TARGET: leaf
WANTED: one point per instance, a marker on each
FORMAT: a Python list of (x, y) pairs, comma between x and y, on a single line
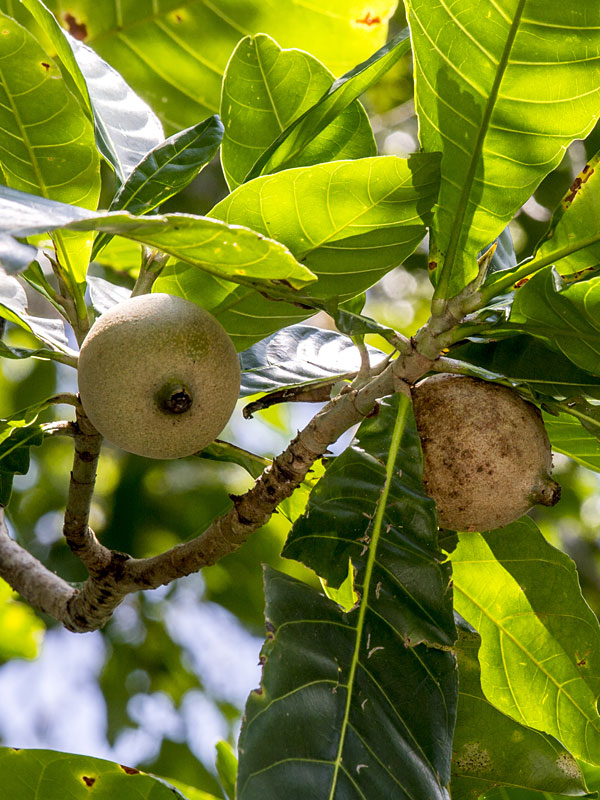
[(169, 167), (568, 436), (227, 767), (13, 307), (283, 84), (501, 91), (348, 698), (229, 251), (524, 359), (232, 454), (573, 240), (14, 457), (336, 718), (298, 354), (49, 775), (15, 256), (297, 136), (565, 316), (176, 56), (104, 294), (540, 646), (349, 222), (21, 631), (166, 170), (345, 596), (48, 142), (126, 127), (490, 749)]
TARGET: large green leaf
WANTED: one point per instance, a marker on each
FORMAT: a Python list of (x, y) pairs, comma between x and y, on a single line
[(540, 651), (174, 55), (524, 359), (564, 315), (345, 710), (49, 775), (229, 251), (501, 90), (282, 84), (293, 141), (46, 140), (357, 704), (491, 749), (350, 222)]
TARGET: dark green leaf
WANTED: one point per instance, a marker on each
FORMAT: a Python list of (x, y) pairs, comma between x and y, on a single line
[(283, 85), (345, 710), (569, 436), (491, 749), (496, 94), (14, 457), (355, 705), (523, 359), (297, 137), (565, 316), (296, 355), (540, 651)]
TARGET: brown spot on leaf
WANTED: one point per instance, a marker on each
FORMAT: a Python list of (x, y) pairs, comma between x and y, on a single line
[(520, 283), (45, 65), (88, 781), (129, 770), (432, 265), (77, 29), (368, 20)]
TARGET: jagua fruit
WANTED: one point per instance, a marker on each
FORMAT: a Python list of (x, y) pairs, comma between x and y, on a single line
[(158, 376), (487, 457)]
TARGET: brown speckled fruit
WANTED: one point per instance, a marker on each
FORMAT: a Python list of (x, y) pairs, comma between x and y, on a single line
[(486, 452), (158, 376)]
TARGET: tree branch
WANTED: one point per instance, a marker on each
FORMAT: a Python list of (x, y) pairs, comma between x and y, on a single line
[(113, 575)]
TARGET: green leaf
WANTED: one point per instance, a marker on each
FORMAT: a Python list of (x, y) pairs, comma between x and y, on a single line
[(297, 137), (21, 631), (48, 775), (218, 450), (491, 749), (540, 646), (350, 222), (227, 767), (175, 57), (165, 170), (568, 436), (48, 142), (13, 307), (282, 84), (501, 91), (227, 251), (573, 240), (169, 167), (523, 359), (126, 127), (565, 316), (14, 456), (343, 704), (345, 697), (298, 354)]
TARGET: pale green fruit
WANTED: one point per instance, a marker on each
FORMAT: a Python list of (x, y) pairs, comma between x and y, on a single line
[(487, 458), (158, 376)]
